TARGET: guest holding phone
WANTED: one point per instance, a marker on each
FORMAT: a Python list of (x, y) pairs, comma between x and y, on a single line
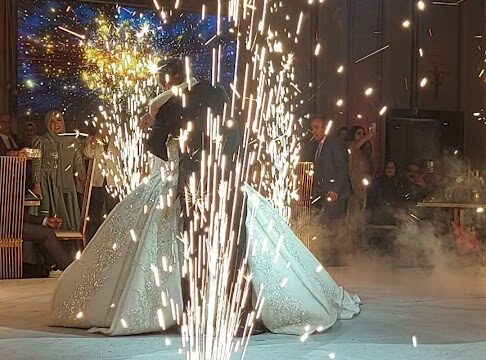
[(361, 171)]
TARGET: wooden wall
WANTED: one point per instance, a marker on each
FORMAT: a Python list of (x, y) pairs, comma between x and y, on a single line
[(449, 36)]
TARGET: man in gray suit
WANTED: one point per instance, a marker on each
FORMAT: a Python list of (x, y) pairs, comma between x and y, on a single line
[(331, 189), (332, 186)]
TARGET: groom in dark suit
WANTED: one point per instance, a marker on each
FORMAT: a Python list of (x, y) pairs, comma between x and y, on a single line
[(172, 117), (175, 116), (39, 237)]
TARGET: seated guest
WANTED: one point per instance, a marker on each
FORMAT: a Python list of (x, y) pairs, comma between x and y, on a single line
[(414, 186), (39, 236), (384, 197), (101, 148), (10, 143), (41, 248), (53, 174)]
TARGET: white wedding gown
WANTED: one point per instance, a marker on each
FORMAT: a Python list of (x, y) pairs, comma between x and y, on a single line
[(113, 288)]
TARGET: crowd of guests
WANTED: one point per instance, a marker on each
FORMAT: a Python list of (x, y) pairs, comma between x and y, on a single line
[(347, 190), (57, 178), (345, 176)]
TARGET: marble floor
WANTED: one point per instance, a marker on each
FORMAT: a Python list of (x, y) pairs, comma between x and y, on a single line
[(444, 311)]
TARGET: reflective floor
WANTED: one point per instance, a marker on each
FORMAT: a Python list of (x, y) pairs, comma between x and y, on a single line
[(407, 314)]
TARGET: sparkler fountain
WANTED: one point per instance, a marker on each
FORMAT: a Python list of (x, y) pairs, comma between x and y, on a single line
[(263, 93)]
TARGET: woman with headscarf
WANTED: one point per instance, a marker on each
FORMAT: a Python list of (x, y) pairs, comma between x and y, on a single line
[(53, 174), (30, 133), (361, 171)]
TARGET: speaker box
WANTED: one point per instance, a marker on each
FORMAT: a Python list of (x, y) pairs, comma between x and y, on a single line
[(422, 135)]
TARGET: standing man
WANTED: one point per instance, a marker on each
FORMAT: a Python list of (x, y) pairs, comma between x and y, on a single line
[(332, 186)]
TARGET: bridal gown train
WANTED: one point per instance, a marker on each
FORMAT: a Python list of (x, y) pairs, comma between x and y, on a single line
[(299, 295), (128, 280)]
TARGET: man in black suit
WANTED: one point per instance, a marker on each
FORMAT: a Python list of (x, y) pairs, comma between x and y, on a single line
[(332, 186), (10, 143)]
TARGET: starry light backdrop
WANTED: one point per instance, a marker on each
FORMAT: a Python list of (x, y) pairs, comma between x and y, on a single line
[(52, 68)]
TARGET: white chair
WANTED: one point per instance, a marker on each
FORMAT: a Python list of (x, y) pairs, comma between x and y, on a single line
[(80, 235), (12, 194)]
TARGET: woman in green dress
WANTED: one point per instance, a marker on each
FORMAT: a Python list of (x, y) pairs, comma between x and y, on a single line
[(53, 174)]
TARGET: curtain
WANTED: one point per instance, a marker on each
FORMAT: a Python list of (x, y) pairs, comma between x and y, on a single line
[(8, 60)]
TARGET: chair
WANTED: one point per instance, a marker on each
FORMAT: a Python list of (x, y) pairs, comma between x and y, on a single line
[(80, 235), (12, 192)]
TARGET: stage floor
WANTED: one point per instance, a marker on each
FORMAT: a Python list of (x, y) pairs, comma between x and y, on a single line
[(445, 311)]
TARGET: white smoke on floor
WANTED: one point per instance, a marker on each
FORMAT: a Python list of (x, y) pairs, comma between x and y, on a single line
[(415, 248)]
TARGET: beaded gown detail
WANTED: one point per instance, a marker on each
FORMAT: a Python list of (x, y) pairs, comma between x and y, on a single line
[(128, 279), (300, 295)]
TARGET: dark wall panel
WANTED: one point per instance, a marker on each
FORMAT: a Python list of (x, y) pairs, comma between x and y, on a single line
[(439, 31)]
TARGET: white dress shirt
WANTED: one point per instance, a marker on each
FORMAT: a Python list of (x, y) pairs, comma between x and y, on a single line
[(105, 163), (319, 148)]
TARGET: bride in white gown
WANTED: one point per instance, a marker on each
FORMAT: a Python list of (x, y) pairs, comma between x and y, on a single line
[(128, 279)]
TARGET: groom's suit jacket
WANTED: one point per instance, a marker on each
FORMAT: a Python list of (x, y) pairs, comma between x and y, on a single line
[(173, 116)]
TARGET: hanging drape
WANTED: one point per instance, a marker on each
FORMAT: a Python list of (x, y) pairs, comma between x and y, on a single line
[(8, 55)]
